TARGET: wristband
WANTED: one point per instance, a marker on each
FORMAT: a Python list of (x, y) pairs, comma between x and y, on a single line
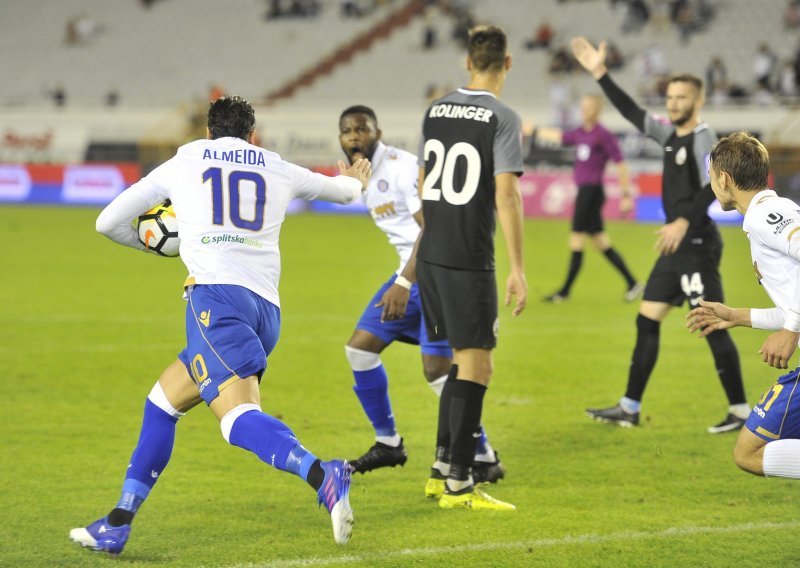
[(403, 282), (792, 322)]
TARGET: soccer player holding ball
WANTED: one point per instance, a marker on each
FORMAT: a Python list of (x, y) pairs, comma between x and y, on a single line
[(229, 233)]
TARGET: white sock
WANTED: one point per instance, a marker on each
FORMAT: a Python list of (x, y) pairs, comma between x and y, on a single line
[(393, 441), (438, 385), (443, 468), (488, 456), (456, 485), (782, 459), (740, 410)]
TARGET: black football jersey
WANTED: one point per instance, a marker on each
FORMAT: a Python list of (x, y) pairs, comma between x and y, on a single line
[(468, 137), (685, 172)]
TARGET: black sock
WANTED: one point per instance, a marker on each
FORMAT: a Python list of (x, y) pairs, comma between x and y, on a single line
[(615, 259), (443, 428), (726, 358), (644, 356), (575, 262), (465, 419), (119, 517), (316, 475)]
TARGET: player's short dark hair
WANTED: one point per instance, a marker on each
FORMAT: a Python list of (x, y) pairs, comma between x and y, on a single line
[(359, 109), (744, 158), (487, 48), (231, 116), (693, 80)]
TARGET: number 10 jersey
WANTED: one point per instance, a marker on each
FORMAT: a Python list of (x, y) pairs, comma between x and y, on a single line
[(230, 200), (468, 137)]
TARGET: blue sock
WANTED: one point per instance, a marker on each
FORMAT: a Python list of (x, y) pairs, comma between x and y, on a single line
[(482, 446), (272, 441), (150, 457), (372, 390), (299, 462)]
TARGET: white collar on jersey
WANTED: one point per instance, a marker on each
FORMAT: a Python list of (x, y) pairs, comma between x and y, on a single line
[(378, 155), (758, 199), (763, 195), (465, 91)]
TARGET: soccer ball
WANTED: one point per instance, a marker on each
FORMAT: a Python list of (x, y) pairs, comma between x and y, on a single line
[(158, 230)]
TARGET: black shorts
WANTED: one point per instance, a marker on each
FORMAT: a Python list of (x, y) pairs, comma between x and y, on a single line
[(587, 217), (459, 305), (689, 274)]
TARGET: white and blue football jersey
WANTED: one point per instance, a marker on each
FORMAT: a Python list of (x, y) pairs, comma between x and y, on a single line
[(230, 199), (392, 198)]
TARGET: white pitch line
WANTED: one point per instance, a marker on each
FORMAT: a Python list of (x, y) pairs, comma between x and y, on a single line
[(672, 532)]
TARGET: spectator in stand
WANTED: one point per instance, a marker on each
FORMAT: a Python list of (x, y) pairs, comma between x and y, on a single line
[(787, 80), (717, 81), (542, 37), (430, 33), (685, 20), (763, 67), (614, 57), (561, 61), (215, 92), (356, 8), (464, 21), (112, 98), (797, 66), (659, 16), (791, 17), (292, 9), (636, 16), (59, 95), (81, 30)]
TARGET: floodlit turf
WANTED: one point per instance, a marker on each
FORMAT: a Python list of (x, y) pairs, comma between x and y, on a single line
[(87, 326)]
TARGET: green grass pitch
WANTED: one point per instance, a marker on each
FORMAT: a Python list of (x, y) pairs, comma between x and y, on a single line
[(88, 325)]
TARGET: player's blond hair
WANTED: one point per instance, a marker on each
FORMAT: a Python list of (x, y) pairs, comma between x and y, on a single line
[(744, 158)]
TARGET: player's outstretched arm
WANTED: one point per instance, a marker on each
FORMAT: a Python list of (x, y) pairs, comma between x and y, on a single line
[(549, 134), (342, 189), (508, 201), (116, 220), (712, 316), (594, 61), (361, 170), (591, 58)]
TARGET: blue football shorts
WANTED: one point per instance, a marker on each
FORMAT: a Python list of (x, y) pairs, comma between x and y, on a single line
[(410, 329), (230, 331), (777, 414)]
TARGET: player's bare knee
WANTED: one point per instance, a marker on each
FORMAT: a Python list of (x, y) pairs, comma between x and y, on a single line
[(178, 387), (365, 341), (434, 371)]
